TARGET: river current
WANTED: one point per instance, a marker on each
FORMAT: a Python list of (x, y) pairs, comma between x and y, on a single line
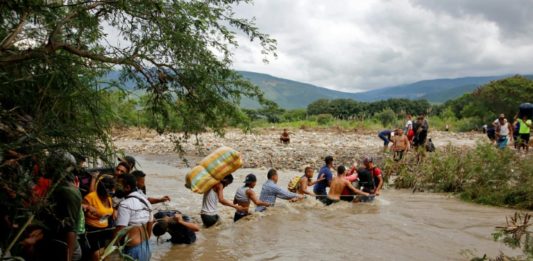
[(399, 225)]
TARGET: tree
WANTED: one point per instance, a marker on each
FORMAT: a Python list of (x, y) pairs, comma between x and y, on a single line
[(387, 117), (175, 50), (54, 55)]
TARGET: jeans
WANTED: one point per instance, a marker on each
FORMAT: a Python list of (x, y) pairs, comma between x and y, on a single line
[(139, 252), (502, 142)]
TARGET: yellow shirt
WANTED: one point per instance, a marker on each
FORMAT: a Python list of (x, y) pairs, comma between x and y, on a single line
[(102, 210)]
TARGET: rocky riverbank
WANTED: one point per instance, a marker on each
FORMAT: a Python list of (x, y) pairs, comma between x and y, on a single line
[(262, 148)]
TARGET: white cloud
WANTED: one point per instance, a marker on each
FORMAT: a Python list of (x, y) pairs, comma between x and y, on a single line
[(359, 45)]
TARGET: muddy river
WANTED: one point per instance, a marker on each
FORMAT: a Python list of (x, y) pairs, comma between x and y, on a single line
[(399, 225)]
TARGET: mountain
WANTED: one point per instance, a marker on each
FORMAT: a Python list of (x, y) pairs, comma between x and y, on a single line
[(291, 94)]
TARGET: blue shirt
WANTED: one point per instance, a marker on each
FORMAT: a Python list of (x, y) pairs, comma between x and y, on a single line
[(320, 187), (270, 191)]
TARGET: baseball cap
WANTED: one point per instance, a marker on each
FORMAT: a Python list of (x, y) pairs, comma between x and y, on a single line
[(250, 178), (368, 159), (502, 115)]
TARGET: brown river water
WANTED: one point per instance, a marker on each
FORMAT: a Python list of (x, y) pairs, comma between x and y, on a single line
[(399, 225)]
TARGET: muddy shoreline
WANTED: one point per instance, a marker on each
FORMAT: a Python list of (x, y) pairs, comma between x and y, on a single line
[(262, 149)]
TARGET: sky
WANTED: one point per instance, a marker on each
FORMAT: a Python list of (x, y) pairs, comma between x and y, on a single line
[(359, 45)]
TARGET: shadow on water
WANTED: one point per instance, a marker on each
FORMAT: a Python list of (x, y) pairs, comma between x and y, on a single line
[(399, 225)]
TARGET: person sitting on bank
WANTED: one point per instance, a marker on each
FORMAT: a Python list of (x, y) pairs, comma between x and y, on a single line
[(270, 191), (141, 185), (307, 180), (400, 144), (135, 211), (285, 139), (212, 197), (179, 226), (244, 195), (338, 184)]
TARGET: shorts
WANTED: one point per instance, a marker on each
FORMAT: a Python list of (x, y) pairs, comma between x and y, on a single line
[(502, 142), (327, 201), (524, 138), (398, 155), (209, 220), (366, 198), (348, 198), (140, 252), (239, 215)]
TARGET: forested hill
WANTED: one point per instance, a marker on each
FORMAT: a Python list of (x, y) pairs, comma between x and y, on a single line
[(292, 94)]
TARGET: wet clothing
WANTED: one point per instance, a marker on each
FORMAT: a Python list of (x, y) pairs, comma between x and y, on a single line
[(179, 234), (209, 220), (502, 142), (135, 210), (140, 252), (209, 203), (328, 201), (105, 211), (240, 195), (320, 187), (270, 191), (369, 179), (239, 215), (209, 208)]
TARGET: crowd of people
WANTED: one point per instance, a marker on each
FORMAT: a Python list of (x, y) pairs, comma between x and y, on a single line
[(502, 132), (412, 135), (92, 208)]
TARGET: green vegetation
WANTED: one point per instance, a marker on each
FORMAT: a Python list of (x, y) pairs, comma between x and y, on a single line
[(53, 57), (483, 175), (515, 234)]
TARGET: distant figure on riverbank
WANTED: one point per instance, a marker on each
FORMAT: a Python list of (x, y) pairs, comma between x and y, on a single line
[(386, 136), (421, 128), (409, 128), (503, 131), (338, 184), (524, 130), (244, 195), (285, 138), (271, 191), (400, 145), (212, 197)]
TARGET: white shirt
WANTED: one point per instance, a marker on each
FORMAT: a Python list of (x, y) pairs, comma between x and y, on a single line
[(503, 128), (132, 212), (409, 124)]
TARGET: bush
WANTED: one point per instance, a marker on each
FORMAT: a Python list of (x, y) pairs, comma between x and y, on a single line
[(324, 119), (387, 117), (484, 175)]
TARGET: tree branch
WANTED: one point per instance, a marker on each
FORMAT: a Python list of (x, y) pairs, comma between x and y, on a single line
[(10, 38)]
